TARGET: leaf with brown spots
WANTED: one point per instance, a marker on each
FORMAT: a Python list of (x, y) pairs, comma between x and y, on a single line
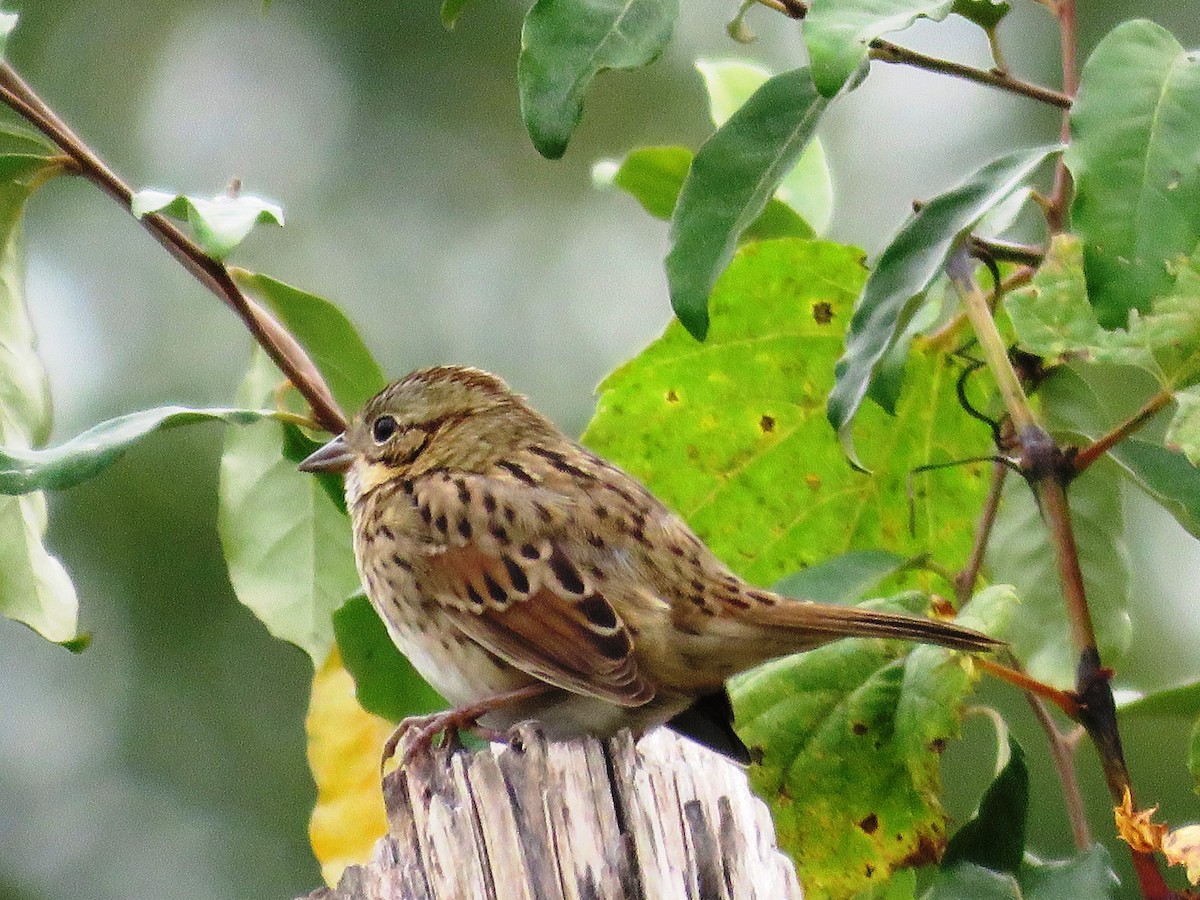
[(848, 734), (733, 436)]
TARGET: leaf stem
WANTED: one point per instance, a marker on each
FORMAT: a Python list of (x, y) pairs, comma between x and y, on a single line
[(279, 344), (886, 51), (1093, 451)]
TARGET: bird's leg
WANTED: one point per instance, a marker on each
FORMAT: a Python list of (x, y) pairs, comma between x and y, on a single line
[(417, 732)]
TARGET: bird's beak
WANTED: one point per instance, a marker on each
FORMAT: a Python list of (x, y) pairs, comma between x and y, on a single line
[(333, 457)]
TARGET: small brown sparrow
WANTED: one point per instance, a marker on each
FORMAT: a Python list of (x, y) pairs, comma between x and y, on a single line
[(526, 578)]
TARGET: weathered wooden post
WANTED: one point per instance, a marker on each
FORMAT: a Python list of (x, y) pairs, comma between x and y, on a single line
[(578, 820)]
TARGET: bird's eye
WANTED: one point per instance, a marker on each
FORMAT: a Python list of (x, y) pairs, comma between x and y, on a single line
[(383, 429)]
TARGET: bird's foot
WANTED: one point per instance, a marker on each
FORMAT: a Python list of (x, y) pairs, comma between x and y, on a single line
[(417, 734)]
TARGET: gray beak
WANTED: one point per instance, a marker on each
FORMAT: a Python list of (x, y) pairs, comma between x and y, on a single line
[(333, 457)]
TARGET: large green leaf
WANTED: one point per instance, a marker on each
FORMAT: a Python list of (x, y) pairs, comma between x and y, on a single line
[(807, 188), (909, 264), (731, 179), (566, 43), (839, 33), (93, 451), (731, 433), (1133, 157), (286, 543), (324, 331), (218, 223), (851, 735), (34, 586)]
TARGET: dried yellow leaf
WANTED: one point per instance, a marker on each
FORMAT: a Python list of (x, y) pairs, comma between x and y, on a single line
[(1135, 828)]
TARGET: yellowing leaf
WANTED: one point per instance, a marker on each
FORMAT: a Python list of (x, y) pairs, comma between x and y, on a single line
[(344, 745)]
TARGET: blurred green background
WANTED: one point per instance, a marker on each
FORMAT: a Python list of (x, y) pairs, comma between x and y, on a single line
[(167, 761)]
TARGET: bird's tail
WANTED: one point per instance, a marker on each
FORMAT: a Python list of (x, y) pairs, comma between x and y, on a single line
[(826, 623)]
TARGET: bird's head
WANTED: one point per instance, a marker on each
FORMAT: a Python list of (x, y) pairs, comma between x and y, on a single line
[(448, 417)]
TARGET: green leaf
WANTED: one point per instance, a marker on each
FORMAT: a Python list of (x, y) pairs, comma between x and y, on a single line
[(971, 882), (731, 179), (93, 451), (909, 264), (1133, 158), (1053, 319), (654, 175), (1088, 874), (839, 33), (34, 587), (844, 578), (566, 43), (326, 334), (385, 682), (1021, 553), (451, 10), (218, 224), (1165, 475), (987, 14), (995, 837), (287, 545), (731, 434), (807, 188), (23, 143), (1182, 701), (851, 735)]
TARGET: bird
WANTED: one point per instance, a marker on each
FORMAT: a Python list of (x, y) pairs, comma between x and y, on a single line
[(527, 578)]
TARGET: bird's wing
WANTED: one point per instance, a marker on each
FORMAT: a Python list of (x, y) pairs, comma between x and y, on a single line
[(498, 564)]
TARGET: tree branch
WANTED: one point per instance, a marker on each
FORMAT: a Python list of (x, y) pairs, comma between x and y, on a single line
[(886, 51), (1093, 451), (279, 344)]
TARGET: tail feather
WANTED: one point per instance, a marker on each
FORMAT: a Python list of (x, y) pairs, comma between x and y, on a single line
[(827, 623)]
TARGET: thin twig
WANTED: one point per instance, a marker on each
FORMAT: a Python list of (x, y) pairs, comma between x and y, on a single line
[(886, 51), (1093, 451), (1064, 12), (1062, 751), (279, 344), (964, 581), (1006, 251), (1030, 685)]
